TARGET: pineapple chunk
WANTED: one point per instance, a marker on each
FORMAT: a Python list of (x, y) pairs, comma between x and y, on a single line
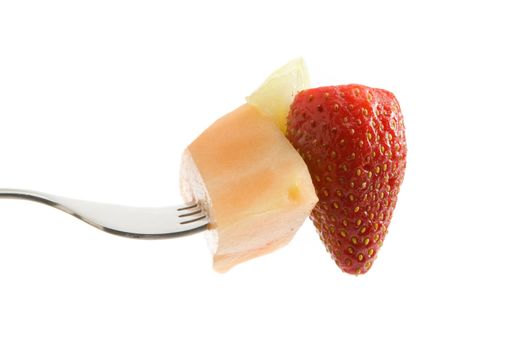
[(276, 94)]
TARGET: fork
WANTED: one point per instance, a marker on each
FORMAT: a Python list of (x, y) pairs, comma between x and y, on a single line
[(124, 221)]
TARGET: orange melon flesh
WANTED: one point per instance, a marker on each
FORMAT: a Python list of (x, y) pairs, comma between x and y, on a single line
[(254, 184)]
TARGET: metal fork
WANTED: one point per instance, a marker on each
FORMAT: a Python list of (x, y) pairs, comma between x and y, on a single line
[(130, 222)]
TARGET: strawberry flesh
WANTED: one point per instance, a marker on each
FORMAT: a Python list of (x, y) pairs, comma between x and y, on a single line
[(352, 139)]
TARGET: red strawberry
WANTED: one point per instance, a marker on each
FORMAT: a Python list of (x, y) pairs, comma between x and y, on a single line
[(353, 141)]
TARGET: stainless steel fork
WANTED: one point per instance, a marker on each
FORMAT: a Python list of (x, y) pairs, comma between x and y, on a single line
[(130, 222)]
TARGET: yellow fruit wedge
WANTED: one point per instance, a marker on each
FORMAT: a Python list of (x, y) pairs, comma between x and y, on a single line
[(276, 94), (255, 186)]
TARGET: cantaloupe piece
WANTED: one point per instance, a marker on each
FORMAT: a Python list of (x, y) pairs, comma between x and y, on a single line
[(255, 186)]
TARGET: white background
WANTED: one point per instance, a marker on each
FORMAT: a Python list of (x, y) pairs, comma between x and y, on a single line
[(99, 98)]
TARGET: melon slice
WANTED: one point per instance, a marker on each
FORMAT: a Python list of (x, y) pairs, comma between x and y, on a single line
[(254, 184)]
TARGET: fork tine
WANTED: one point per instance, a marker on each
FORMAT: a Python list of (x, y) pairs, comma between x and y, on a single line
[(195, 223), (190, 212), (193, 217), (187, 206)]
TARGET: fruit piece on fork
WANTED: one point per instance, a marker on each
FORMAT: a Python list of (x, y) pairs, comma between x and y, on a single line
[(352, 138), (255, 186)]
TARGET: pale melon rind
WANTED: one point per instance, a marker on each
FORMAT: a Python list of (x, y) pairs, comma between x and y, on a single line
[(253, 183)]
